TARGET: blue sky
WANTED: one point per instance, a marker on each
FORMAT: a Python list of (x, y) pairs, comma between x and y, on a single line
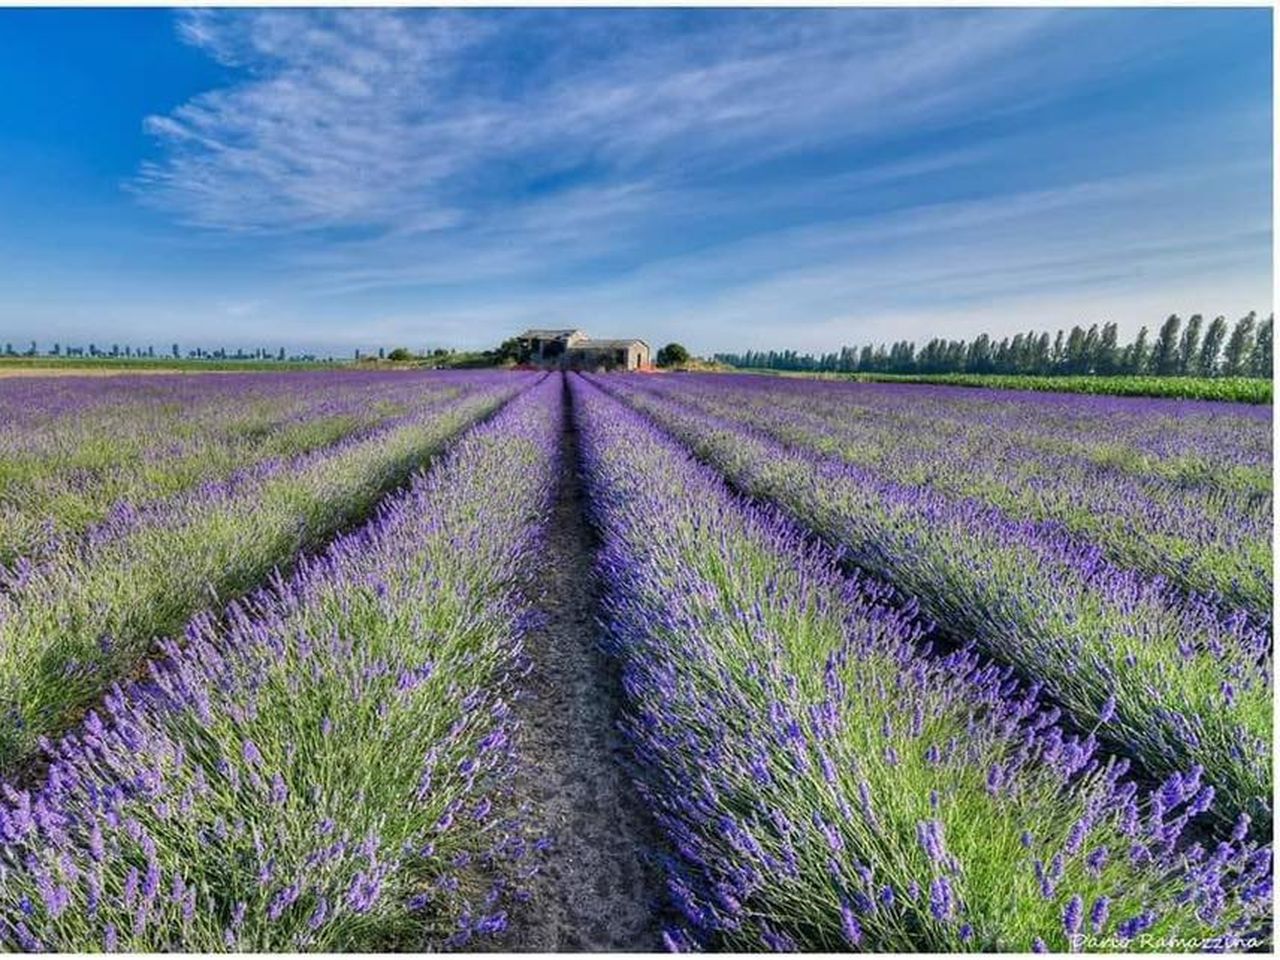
[(333, 179)]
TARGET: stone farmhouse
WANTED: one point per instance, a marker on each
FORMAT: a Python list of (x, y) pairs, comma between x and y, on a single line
[(574, 350)]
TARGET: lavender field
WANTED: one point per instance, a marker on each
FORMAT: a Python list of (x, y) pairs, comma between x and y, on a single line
[(410, 661)]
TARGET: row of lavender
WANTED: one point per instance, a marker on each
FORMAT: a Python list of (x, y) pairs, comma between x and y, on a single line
[(1172, 436), (826, 782), (71, 449), (325, 770), (1171, 491), (80, 618), (1171, 683)]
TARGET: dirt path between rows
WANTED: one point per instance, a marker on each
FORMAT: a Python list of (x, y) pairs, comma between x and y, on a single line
[(599, 889)]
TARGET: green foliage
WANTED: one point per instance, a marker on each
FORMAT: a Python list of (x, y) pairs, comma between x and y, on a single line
[(1230, 389), (1175, 352), (512, 350), (1235, 360), (672, 354), (400, 354)]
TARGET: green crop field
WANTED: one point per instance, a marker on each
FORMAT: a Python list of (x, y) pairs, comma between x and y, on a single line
[(1230, 389)]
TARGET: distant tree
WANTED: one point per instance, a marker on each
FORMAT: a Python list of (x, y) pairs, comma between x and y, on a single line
[(1211, 347), (902, 357), (1189, 345), (400, 354), (1139, 354), (1179, 350), (31, 350), (280, 354), (1059, 355), (1235, 360), (1108, 349), (1164, 355), (512, 350), (1077, 360), (1040, 360), (672, 354), (1000, 357), (382, 353), (57, 349), (978, 357), (1260, 362), (1092, 341), (176, 352)]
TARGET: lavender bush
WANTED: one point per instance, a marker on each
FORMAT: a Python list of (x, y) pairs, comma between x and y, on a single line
[(825, 783), (1161, 488), (325, 771), (1173, 683), (74, 622), (72, 448)]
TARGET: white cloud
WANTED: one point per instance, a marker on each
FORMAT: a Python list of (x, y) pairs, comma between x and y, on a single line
[(395, 119), (461, 173)]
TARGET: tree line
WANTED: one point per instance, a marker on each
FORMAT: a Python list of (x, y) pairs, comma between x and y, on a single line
[(130, 352), (1190, 349)]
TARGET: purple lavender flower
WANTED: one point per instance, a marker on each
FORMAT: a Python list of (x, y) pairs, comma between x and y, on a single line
[(493, 924), (1098, 913), (940, 900), (319, 914), (852, 929), (776, 940), (929, 835), (1096, 860), (252, 755), (363, 892), (1202, 801), (1131, 928), (1107, 712), (995, 778), (283, 899), (1073, 915)]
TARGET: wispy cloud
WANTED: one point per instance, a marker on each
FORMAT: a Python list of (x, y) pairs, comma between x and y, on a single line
[(409, 121), (328, 130), (737, 169)]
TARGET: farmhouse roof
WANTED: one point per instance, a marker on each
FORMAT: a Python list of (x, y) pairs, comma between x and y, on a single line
[(546, 334), (607, 344)]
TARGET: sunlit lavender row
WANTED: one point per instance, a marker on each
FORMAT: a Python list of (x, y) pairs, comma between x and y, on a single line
[(1171, 490), (72, 448), (326, 769), (1172, 684), (826, 781), (80, 618)]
